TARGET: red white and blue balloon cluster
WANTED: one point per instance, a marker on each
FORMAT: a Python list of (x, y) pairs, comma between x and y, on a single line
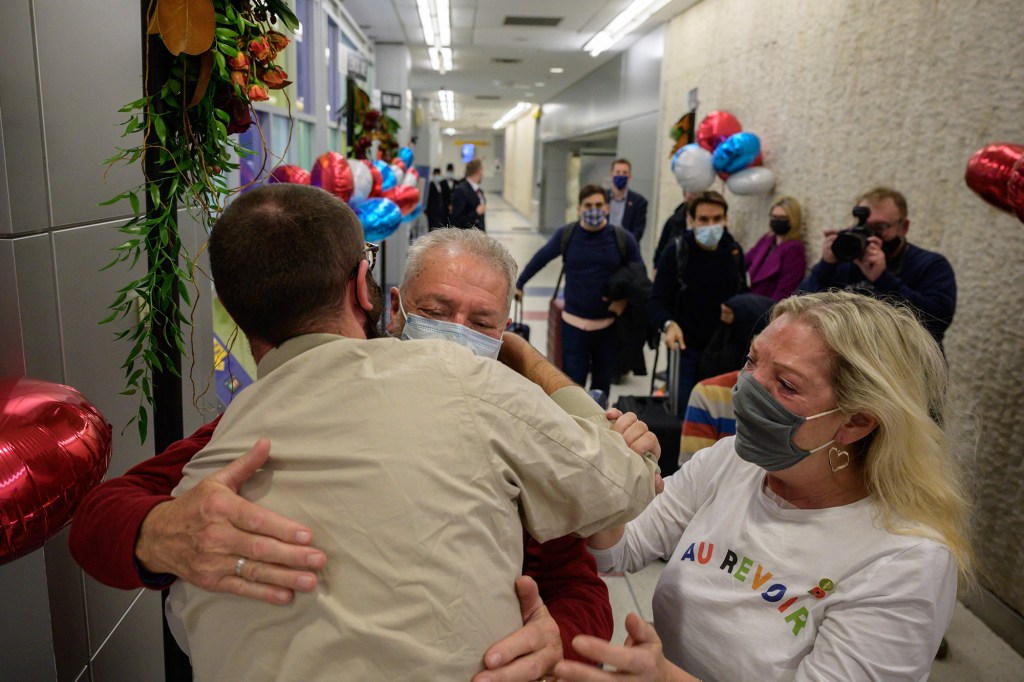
[(722, 147), (383, 195)]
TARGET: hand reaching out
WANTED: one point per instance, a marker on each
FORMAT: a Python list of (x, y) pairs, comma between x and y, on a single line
[(201, 536)]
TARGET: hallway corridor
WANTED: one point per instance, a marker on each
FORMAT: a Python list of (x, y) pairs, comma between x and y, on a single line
[(975, 652)]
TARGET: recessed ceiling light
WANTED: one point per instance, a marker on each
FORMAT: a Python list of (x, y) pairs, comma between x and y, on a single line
[(556, 69), (449, 131)]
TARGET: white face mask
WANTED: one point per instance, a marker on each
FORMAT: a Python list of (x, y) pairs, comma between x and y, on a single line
[(709, 236), (418, 327)]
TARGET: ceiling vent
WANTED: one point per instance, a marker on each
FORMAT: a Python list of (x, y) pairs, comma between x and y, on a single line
[(506, 60), (488, 97), (550, 22)]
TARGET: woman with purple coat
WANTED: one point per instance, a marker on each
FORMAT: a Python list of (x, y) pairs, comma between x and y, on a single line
[(778, 261)]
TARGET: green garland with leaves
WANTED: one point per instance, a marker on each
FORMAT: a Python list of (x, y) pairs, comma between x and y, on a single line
[(223, 54)]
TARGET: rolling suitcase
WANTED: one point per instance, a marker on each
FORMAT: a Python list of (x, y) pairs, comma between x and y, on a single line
[(659, 413), (517, 326)]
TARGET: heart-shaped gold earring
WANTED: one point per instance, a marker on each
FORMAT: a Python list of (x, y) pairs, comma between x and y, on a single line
[(835, 456)]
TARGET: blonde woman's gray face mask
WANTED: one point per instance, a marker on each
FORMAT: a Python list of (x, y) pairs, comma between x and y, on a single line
[(765, 427)]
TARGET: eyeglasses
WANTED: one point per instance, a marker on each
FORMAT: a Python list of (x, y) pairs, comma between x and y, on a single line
[(882, 227), (369, 252)]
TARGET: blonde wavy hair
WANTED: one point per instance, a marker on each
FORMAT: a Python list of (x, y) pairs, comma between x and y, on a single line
[(886, 364), (796, 217)]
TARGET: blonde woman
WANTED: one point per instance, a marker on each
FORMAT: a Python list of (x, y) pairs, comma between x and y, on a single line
[(778, 261), (824, 540)]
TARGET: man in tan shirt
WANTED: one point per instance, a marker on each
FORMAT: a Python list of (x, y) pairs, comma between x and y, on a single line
[(411, 462)]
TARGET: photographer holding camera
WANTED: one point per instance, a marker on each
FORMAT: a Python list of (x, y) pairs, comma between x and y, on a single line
[(874, 257)]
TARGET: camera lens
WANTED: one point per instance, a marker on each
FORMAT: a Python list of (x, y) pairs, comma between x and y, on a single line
[(849, 245)]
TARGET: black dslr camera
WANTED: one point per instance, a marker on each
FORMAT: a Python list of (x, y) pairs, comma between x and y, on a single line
[(851, 242)]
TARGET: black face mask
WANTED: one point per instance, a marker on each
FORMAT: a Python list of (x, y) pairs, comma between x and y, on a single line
[(780, 226), (891, 246)]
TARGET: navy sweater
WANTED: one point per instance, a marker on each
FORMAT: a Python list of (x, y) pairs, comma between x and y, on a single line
[(923, 279), (590, 260)]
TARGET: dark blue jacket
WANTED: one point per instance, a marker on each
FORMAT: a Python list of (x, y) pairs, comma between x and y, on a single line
[(590, 260), (464, 203), (634, 213), (924, 279), (711, 277)]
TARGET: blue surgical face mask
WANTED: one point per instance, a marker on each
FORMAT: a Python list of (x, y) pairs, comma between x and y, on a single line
[(765, 427), (620, 181), (593, 217), (424, 328), (709, 236)]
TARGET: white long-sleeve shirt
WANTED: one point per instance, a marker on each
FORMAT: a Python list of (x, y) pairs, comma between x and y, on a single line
[(756, 589)]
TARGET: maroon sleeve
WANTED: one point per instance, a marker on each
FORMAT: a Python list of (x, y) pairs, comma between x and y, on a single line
[(574, 593), (791, 270), (106, 523)]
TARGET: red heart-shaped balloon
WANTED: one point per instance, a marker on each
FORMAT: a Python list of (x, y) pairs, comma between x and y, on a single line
[(54, 447), (988, 172), (332, 173), (1015, 188), (715, 128), (407, 198), (295, 175), (378, 180)]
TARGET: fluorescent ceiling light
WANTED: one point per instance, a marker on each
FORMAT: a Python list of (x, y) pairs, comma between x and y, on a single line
[(556, 69), (511, 115), (444, 23), (440, 59), (426, 21), (447, 99), (436, 22), (449, 131), (628, 20)]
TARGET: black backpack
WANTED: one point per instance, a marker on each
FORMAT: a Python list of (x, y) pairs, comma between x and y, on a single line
[(683, 257)]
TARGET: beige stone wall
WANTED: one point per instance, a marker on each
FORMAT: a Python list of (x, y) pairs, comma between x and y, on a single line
[(846, 94), (520, 136)]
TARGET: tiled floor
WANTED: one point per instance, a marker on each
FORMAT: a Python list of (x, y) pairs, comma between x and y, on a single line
[(975, 652)]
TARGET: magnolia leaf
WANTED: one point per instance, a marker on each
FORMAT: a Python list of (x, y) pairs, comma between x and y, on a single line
[(186, 25), (202, 82)]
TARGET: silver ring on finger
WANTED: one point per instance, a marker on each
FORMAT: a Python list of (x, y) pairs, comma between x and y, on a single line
[(238, 566)]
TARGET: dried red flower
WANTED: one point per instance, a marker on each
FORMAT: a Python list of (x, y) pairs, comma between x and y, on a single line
[(275, 78), (258, 93), (240, 62), (260, 49), (241, 116), (277, 40)]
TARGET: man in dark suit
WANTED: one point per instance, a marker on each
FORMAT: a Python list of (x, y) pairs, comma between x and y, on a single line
[(628, 208), (468, 202), (439, 200)]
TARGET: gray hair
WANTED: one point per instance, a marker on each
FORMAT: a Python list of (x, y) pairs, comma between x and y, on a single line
[(472, 241)]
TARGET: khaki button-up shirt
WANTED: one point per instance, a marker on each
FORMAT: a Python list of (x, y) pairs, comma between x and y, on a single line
[(416, 465)]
